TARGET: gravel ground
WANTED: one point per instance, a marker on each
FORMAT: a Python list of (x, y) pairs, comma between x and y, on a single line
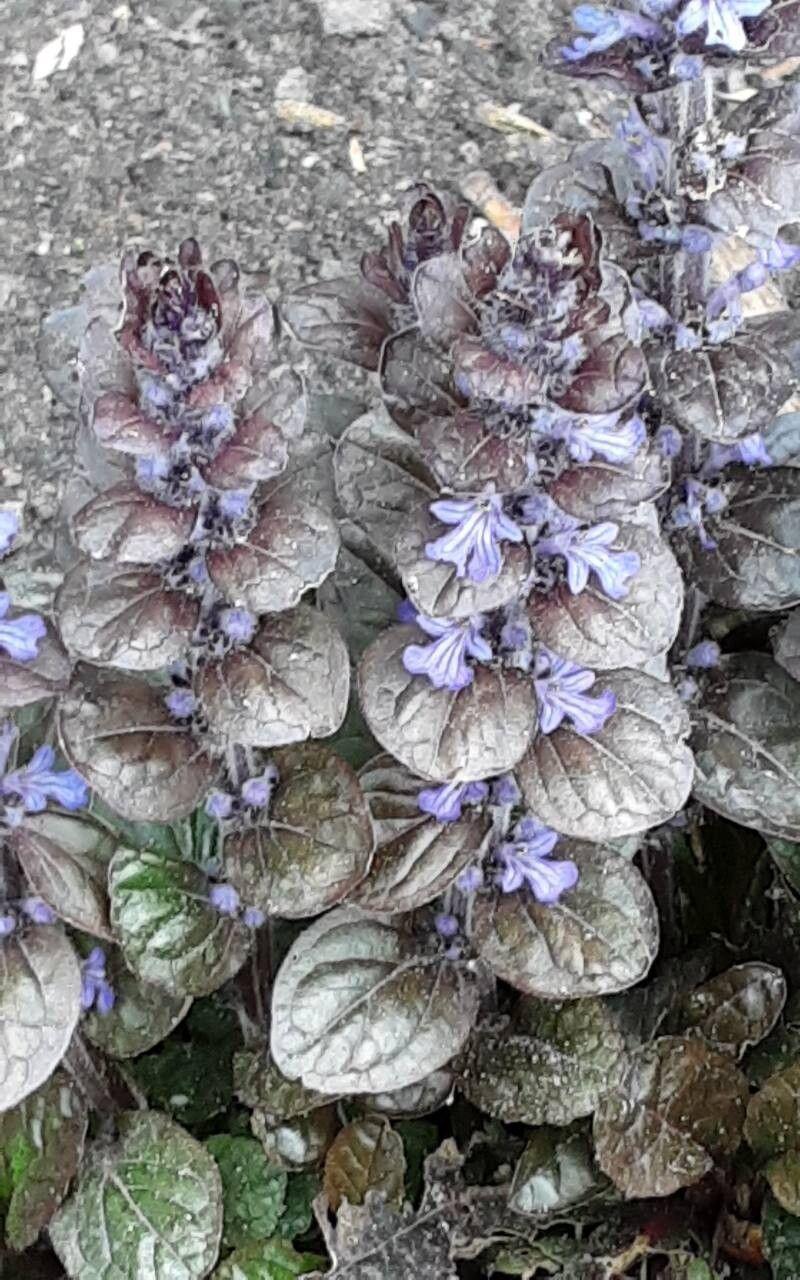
[(152, 121)]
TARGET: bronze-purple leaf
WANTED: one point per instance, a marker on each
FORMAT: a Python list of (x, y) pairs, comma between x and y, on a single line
[(65, 859), (120, 425), (600, 490), (127, 526), (347, 318), (22, 683)]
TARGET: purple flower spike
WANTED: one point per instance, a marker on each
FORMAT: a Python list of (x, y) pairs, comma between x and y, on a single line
[(37, 782), (722, 18), (219, 805), (20, 636), (649, 152), (8, 923), (445, 803), (704, 655), (239, 625), (589, 551), (181, 703), (257, 792), (446, 925), (9, 529), (444, 661), (606, 27), (96, 991), (37, 911), (526, 861), (473, 545), (224, 899), (561, 693)]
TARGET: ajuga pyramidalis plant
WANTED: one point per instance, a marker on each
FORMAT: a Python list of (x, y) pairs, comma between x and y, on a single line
[(561, 554)]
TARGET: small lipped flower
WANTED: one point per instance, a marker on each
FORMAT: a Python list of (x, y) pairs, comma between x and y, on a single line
[(648, 151), (444, 662), (257, 792), (473, 545), (602, 435), (37, 911), (750, 451), (445, 803), (252, 918), (19, 637), (96, 991), (722, 20), (446, 925), (591, 551), (239, 625), (224, 899), (8, 923), (602, 28), (704, 656), (38, 782), (219, 805), (701, 500), (561, 692), (181, 703), (526, 860), (9, 530)]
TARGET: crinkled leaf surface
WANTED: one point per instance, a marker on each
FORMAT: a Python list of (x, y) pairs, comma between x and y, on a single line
[(316, 843), (597, 632), (366, 1155), (41, 1142), (168, 933), (261, 1086), (252, 1190), (600, 937), (40, 990), (267, 1260), (756, 564), (433, 585), (772, 1130), (22, 683), (442, 298), (300, 1143), (291, 684), (65, 858), (124, 618), (127, 526), (550, 1065), (291, 549), (555, 1172), (357, 1008), (275, 414), (787, 645), (357, 597), (747, 745), (418, 1099), (598, 490), (119, 735), (142, 1017), (736, 1009), (679, 1107), (151, 1205), (416, 380), (466, 455), (482, 730), (635, 773), (724, 392), (417, 858), (381, 478), (348, 318)]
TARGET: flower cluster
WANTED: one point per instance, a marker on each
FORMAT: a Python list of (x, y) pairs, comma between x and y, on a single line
[(196, 562)]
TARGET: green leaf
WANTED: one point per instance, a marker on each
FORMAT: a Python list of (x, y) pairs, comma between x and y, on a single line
[(786, 856), (550, 1066), (736, 1009), (678, 1108), (142, 1017), (420, 1138), (772, 1129), (253, 1191), (151, 1205), (169, 934), (366, 1155), (269, 1260), (780, 1049), (192, 1081), (298, 1213), (41, 1142), (555, 1172), (781, 1237)]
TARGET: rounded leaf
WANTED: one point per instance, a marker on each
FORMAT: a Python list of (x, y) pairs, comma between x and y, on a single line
[(314, 847), (415, 1100), (25, 682), (555, 1172), (169, 934), (771, 1129), (253, 1191), (466, 455), (124, 618), (433, 585), (736, 1009), (154, 1199), (130, 527), (550, 1066), (634, 774), (357, 1009), (292, 683), (381, 478), (482, 730), (597, 632), (291, 549), (65, 859), (600, 937), (121, 738), (417, 858), (598, 490), (297, 1143), (366, 1155), (678, 1108), (40, 1003), (746, 741), (347, 318)]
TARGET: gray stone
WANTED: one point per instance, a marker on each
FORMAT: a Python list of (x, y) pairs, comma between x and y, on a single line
[(354, 17)]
